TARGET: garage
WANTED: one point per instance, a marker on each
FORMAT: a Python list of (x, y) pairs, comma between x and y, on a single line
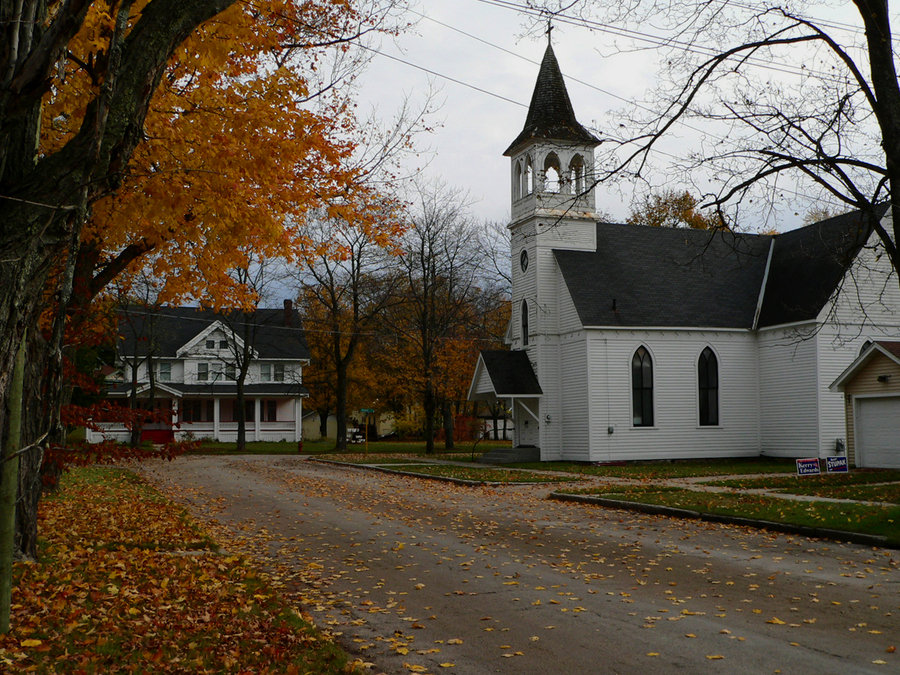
[(878, 432), (871, 388)]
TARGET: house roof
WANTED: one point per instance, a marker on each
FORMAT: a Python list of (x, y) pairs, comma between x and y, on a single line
[(887, 348), (215, 389), (674, 277), (511, 373), (550, 114), (163, 331), (809, 263)]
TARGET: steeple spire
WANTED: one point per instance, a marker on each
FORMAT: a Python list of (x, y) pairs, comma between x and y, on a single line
[(550, 115)]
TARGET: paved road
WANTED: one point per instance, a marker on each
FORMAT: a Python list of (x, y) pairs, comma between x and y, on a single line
[(415, 574)]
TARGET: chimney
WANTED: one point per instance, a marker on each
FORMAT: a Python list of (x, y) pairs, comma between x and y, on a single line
[(288, 313)]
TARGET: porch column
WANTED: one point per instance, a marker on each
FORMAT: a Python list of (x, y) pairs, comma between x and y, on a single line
[(298, 419), (256, 410), (216, 418), (175, 406)]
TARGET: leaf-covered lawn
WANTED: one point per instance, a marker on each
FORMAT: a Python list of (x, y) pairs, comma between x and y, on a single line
[(487, 475), (670, 469), (824, 481), (127, 583), (877, 520)]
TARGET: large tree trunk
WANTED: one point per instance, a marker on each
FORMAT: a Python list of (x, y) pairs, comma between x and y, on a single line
[(323, 422), (340, 406), (429, 403), (447, 407)]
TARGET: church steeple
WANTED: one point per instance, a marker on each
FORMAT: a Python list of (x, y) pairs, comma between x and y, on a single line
[(550, 114)]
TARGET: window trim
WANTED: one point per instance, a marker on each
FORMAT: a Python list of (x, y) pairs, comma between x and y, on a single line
[(717, 389), (652, 402)]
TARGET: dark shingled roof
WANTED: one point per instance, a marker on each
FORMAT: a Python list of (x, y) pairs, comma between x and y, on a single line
[(221, 389), (511, 373), (550, 114), (170, 328), (650, 276), (809, 263), (891, 346)]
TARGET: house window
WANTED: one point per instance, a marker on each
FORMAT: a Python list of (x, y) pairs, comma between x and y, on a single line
[(210, 344), (708, 382), (642, 388), (279, 372), (230, 371), (265, 372), (164, 373), (523, 260), (223, 344), (524, 322), (202, 372), (268, 410)]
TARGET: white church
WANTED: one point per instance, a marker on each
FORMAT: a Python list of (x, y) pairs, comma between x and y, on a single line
[(630, 342)]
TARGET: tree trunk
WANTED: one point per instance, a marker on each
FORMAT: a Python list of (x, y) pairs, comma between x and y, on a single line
[(9, 478), (448, 424), (430, 405), (340, 405), (323, 423)]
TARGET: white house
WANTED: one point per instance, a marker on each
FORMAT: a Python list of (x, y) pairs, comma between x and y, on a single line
[(632, 342), (194, 357)]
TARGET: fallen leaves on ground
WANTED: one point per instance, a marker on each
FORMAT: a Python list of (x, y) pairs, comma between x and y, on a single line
[(128, 583)]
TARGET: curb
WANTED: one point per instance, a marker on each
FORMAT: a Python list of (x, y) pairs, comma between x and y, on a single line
[(656, 509)]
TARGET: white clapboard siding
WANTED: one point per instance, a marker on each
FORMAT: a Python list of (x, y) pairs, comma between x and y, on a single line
[(788, 392), (676, 432), (864, 309), (575, 418)]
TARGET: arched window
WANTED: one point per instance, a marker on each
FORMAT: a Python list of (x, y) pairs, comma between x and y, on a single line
[(708, 383), (517, 181), (576, 174), (524, 322), (642, 388), (529, 175), (552, 173)]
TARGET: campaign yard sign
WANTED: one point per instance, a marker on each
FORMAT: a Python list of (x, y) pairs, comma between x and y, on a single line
[(808, 466), (836, 464)]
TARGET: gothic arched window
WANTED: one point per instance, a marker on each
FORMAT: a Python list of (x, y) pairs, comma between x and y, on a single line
[(524, 322), (517, 181), (576, 174), (529, 175), (552, 173), (708, 385), (642, 388)]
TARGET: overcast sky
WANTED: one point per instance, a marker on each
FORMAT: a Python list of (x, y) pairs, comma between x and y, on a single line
[(494, 56)]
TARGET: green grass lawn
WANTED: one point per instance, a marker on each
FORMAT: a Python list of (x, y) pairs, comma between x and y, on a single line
[(875, 520), (485, 474), (669, 469), (827, 480)]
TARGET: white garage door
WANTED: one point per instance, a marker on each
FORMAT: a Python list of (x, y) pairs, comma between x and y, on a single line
[(878, 432)]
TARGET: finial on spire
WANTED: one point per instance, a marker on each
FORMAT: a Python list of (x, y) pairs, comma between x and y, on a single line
[(549, 29)]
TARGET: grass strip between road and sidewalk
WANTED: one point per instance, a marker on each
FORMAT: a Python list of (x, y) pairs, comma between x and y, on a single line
[(668, 469), (127, 582), (420, 466), (879, 521)]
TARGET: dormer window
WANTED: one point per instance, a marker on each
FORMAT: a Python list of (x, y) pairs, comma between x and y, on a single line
[(223, 344)]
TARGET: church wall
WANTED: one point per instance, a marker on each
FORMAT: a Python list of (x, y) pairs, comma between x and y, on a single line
[(788, 392), (867, 307), (676, 432), (574, 425)]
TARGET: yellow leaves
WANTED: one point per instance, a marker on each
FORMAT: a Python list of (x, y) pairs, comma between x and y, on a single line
[(776, 621), (447, 664), (454, 641), (413, 668), (31, 642), (714, 657)]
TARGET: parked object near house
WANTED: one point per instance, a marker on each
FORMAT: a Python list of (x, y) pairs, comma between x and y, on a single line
[(631, 342), (871, 388), (187, 361)]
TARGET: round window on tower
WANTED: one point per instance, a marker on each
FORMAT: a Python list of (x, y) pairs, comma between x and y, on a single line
[(523, 260)]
